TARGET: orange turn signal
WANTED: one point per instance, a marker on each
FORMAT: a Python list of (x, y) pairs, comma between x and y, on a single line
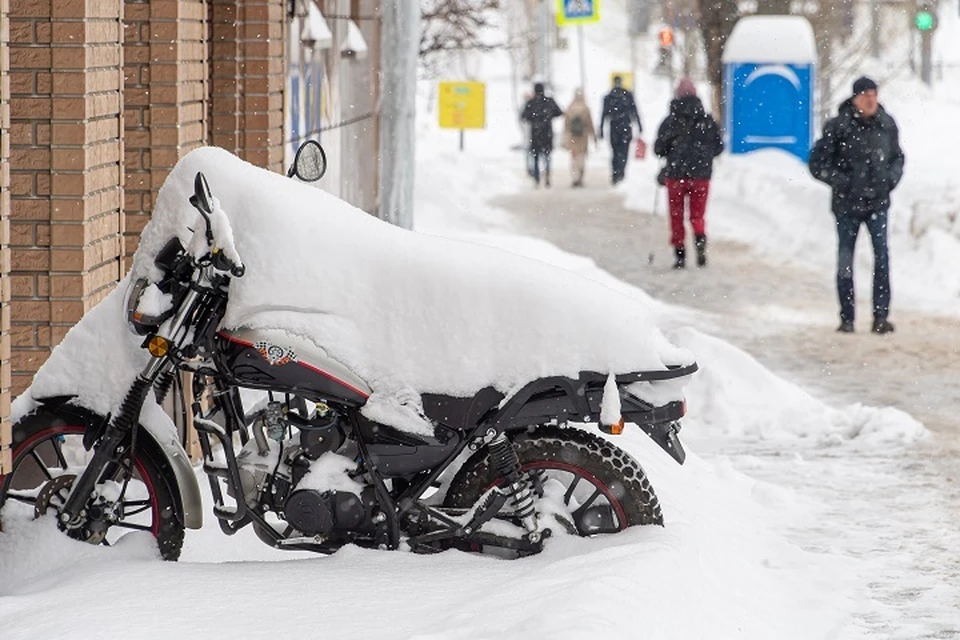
[(158, 346), (613, 429)]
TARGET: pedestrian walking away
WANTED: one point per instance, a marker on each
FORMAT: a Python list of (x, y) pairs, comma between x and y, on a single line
[(577, 131), (859, 156), (689, 139), (540, 111), (621, 109)]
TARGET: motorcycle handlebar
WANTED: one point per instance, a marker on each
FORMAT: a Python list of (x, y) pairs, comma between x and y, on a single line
[(221, 262)]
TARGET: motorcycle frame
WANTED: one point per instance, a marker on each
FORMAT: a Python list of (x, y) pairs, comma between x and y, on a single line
[(546, 400)]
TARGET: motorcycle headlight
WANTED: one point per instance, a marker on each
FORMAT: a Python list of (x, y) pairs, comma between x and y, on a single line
[(140, 321)]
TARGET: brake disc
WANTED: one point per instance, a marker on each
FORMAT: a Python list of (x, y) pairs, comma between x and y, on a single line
[(50, 498), (50, 491)]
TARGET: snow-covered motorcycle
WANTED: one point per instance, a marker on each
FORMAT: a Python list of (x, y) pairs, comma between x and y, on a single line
[(292, 441)]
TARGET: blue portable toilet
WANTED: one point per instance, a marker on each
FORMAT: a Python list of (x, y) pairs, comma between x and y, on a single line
[(769, 65)]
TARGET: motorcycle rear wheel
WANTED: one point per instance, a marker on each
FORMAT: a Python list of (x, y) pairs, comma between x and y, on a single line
[(47, 450), (586, 465)]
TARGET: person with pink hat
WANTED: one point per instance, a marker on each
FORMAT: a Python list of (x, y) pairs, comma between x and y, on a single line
[(689, 139)]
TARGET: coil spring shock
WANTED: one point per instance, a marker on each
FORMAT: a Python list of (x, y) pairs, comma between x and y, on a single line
[(507, 465)]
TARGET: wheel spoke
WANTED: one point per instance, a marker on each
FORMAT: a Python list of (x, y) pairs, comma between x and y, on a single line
[(140, 508), (590, 500), (570, 489), (58, 448), (22, 498), (40, 463), (130, 525)]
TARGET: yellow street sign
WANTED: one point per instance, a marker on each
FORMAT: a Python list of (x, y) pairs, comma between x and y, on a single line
[(626, 79), (577, 12), (462, 105)]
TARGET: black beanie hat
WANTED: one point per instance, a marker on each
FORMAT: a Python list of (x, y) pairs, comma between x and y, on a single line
[(863, 83)]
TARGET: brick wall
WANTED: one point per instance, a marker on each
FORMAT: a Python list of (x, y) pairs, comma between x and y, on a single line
[(165, 95), (66, 168), (247, 79), (104, 97), (5, 434)]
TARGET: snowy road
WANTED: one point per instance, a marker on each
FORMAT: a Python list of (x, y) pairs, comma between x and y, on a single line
[(896, 509)]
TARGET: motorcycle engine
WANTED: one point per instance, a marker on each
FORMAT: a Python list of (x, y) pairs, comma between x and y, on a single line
[(314, 513), (297, 438)]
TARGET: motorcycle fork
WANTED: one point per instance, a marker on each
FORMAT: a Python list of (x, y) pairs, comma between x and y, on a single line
[(108, 449)]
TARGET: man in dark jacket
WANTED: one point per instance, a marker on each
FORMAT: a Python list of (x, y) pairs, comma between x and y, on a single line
[(620, 107), (540, 111), (859, 156), (690, 140)]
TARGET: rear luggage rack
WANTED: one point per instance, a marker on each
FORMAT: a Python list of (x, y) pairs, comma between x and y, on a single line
[(564, 399)]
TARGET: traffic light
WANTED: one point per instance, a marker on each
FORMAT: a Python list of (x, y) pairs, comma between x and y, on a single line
[(925, 18)]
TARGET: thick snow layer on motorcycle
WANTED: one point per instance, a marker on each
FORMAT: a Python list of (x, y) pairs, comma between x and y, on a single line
[(409, 313)]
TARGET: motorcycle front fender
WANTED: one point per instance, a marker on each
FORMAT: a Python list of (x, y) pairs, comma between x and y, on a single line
[(187, 483), (163, 435)]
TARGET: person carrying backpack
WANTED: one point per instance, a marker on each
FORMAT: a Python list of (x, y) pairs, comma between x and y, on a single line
[(689, 139), (577, 129), (860, 158)]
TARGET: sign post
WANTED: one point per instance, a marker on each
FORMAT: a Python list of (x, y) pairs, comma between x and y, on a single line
[(578, 12), (462, 106)]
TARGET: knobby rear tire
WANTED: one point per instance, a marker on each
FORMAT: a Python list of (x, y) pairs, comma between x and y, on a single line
[(568, 447)]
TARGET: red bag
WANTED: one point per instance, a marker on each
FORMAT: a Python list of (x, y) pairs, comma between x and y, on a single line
[(641, 151)]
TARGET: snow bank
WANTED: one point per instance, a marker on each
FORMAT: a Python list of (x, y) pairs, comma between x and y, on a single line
[(737, 398)]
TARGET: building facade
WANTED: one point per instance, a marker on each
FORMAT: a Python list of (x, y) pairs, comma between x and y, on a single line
[(98, 101)]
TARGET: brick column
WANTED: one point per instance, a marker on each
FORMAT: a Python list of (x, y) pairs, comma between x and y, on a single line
[(66, 168), (165, 70), (5, 433), (247, 79)]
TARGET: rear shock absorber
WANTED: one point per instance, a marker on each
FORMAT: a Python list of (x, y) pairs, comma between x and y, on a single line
[(507, 465)]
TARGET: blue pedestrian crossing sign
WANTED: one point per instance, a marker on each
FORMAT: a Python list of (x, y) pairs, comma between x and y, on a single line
[(577, 11)]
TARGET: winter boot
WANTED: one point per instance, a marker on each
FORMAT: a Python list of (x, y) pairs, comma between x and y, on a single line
[(701, 251), (881, 325), (681, 260), (846, 326)]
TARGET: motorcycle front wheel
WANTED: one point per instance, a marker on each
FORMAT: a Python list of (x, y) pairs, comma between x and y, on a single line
[(48, 455), (597, 487)]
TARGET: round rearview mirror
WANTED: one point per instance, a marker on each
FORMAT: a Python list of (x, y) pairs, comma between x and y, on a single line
[(202, 199), (310, 162)]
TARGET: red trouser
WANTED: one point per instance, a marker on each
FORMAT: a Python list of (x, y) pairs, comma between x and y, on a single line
[(696, 189)]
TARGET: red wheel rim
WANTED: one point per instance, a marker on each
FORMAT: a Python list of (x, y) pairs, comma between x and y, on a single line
[(69, 429)]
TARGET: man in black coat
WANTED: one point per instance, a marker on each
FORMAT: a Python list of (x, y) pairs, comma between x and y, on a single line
[(540, 111), (859, 156), (620, 107)]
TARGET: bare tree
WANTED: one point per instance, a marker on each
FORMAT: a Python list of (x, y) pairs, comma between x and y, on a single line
[(458, 25), (717, 18)]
